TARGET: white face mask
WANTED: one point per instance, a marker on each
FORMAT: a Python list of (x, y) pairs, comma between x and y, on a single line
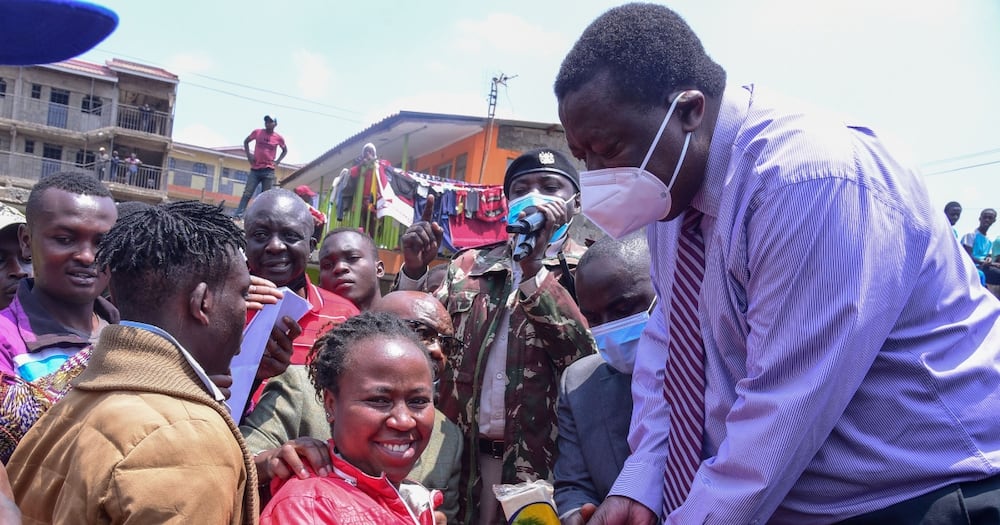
[(617, 341), (623, 200)]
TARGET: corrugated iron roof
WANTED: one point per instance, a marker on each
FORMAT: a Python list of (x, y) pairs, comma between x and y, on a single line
[(117, 64)]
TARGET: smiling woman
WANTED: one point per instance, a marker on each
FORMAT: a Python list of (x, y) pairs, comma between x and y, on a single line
[(375, 378)]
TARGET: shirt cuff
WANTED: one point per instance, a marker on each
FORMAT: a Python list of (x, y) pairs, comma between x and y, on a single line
[(529, 287), (405, 283), (642, 482), (568, 513)]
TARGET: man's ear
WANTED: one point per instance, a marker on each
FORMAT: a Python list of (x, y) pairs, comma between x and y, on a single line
[(691, 109), (379, 269), (24, 241), (200, 303), (329, 405)]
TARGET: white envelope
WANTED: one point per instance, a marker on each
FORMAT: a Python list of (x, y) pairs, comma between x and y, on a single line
[(255, 337)]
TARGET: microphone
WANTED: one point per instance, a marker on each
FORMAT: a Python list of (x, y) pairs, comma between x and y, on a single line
[(530, 223), (527, 229)]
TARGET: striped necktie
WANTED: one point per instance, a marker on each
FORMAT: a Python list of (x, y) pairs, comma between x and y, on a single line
[(684, 378)]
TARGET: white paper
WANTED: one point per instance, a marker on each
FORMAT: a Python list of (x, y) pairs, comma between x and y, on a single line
[(255, 337)]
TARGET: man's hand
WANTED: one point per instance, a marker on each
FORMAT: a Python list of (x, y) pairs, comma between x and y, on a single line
[(278, 351), (291, 459), (555, 216), (581, 515), (262, 292), (619, 510), (421, 242)]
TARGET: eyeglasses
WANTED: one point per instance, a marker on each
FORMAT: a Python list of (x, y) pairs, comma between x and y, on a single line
[(430, 336)]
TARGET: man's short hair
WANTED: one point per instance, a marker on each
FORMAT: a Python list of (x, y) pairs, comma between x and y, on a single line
[(68, 181), (647, 50), (630, 253), (157, 251), (267, 198), (364, 236)]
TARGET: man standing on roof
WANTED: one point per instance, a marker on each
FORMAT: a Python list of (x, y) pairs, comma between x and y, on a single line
[(262, 161)]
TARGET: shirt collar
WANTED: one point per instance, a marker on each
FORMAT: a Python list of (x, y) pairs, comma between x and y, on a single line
[(212, 389), (732, 113)]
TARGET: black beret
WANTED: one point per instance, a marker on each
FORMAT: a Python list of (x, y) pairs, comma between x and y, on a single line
[(543, 159)]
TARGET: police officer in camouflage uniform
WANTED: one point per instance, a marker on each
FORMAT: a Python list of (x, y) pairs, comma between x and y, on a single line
[(521, 329)]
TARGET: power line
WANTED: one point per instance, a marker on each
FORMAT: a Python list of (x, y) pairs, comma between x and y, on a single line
[(960, 168), (245, 86), (963, 157), (285, 106)]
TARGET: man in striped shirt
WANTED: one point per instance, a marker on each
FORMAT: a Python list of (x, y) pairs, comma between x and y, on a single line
[(846, 374)]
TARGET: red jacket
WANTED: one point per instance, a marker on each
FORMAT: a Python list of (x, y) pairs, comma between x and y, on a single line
[(349, 496)]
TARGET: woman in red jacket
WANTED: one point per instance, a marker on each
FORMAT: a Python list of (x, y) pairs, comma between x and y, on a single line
[(376, 380)]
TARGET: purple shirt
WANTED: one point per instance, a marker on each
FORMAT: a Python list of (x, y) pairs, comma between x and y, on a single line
[(852, 358)]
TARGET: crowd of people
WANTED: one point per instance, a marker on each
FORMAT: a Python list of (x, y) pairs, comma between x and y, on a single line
[(713, 359)]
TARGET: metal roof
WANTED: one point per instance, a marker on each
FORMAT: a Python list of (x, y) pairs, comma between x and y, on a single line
[(427, 132)]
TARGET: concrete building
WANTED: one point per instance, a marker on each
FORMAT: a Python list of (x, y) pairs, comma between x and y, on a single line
[(57, 117), (212, 175)]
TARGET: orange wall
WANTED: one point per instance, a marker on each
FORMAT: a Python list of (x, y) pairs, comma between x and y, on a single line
[(496, 162)]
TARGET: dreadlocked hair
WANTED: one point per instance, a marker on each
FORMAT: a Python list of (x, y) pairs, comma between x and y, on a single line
[(327, 360), (155, 251), (71, 182)]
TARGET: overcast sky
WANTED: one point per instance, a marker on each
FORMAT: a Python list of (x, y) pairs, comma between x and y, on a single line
[(926, 72)]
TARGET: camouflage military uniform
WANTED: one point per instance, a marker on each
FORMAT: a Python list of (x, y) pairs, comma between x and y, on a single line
[(547, 333)]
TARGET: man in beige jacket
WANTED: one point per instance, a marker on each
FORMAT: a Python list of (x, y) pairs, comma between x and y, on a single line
[(144, 437)]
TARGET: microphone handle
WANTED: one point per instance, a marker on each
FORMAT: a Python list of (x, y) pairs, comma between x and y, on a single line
[(523, 245)]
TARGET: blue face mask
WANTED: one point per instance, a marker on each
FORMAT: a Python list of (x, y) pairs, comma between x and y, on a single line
[(531, 200), (617, 341)]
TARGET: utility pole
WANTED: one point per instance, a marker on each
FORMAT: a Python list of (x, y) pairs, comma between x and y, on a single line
[(499, 80)]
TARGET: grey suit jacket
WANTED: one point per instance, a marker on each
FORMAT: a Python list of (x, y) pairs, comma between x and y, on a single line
[(289, 408), (595, 406)]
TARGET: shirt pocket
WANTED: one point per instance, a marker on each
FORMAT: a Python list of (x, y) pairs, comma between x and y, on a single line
[(468, 326)]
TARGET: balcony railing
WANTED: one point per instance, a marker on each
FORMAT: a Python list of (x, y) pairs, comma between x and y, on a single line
[(75, 118), (31, 167), (68, 117), (144, 120)]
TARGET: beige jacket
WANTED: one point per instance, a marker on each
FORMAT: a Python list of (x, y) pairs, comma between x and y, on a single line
[(138, 440)]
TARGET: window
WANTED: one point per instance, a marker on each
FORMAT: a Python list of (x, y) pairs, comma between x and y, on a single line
[(200, 168), (171, 163), (59, 96), (444, 171), (460, 162), (36, 91), (91, 104), (242, 175), (51, 159), (85, 159), (3, 88), (29, 146), (52, 151)]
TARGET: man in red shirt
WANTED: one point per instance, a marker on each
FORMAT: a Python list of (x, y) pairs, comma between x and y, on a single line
[(262, 161), (279, 229)]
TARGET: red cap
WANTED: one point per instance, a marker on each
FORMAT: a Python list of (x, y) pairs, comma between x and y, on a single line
[(305, 191)]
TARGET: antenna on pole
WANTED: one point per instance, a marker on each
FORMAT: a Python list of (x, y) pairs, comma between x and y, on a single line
[(499, 80)]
